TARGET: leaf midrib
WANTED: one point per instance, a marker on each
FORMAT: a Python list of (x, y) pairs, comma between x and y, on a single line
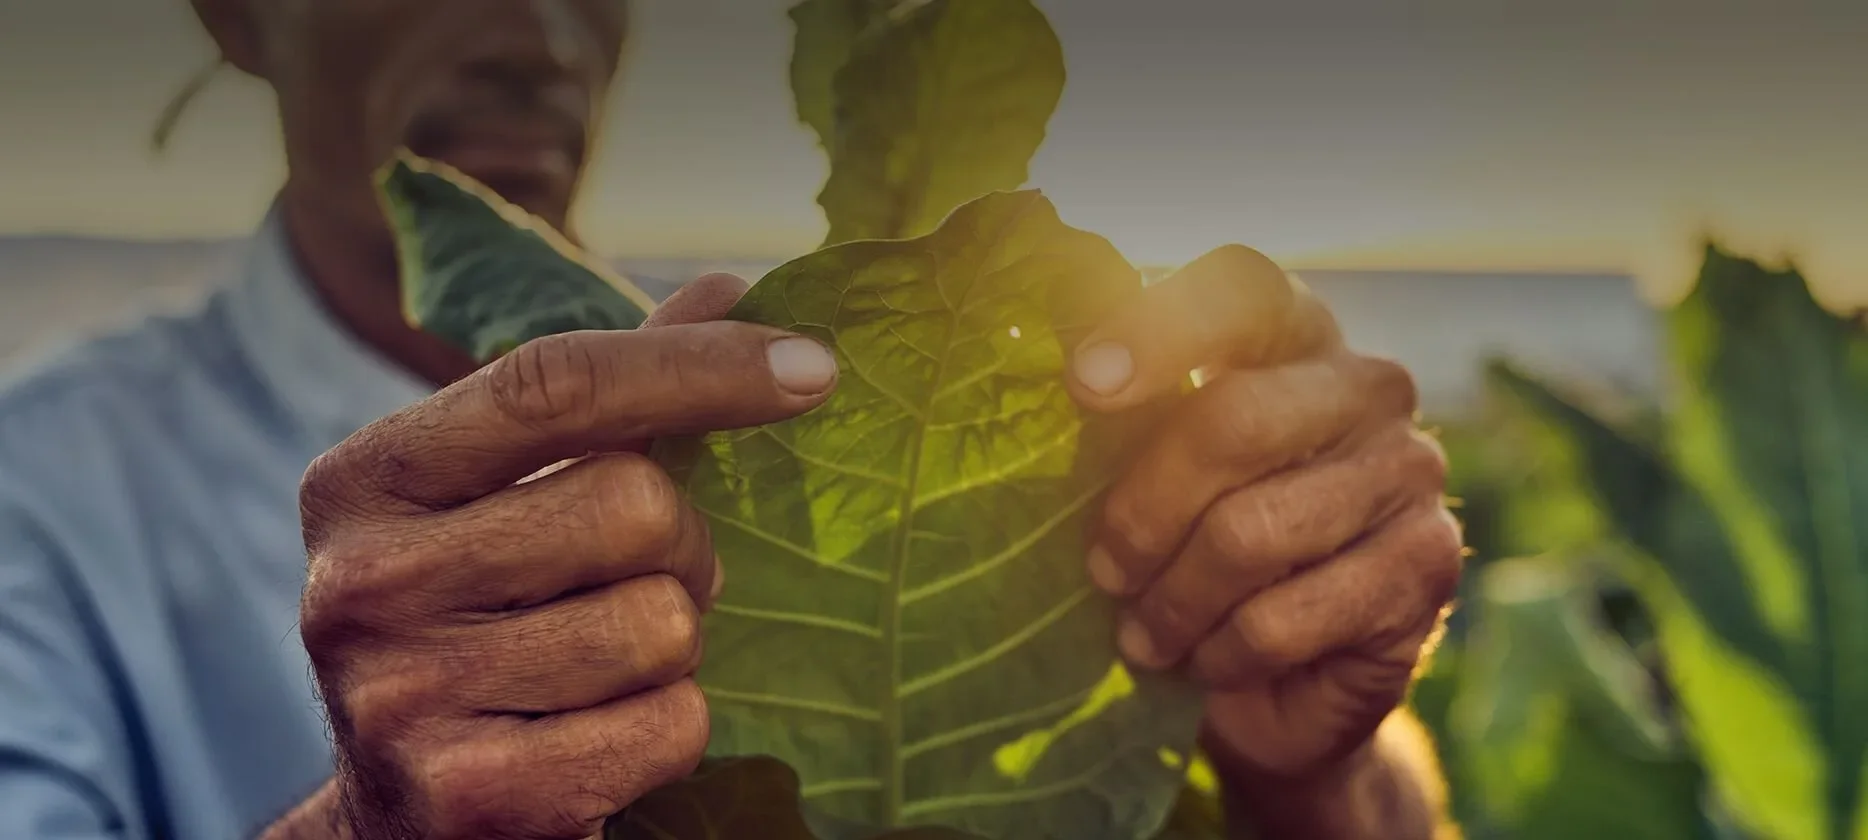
[(890, 701)]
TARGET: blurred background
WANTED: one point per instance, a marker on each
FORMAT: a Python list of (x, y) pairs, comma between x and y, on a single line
[(1514, 199)]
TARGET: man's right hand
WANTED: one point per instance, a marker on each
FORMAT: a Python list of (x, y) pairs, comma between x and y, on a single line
[(508, 658)]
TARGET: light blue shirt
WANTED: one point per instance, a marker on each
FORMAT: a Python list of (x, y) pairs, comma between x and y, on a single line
[(152, 681)]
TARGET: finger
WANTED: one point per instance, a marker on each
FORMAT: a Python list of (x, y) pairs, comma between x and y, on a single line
[(559, 397), (1238, 429), (561, 776), (1369, 596), (1231, 307), (708, 298), (1263, 533), (584, 650), (603, 519)]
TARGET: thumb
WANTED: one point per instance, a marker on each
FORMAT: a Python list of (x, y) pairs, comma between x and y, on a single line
[(709, 298)]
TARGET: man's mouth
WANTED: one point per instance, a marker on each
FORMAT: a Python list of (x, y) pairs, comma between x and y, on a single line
[(493, 159), (533, 166)]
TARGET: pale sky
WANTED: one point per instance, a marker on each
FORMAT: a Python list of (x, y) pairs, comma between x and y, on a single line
[(1517, 135)]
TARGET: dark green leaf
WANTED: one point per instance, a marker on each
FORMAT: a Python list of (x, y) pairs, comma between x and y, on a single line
[(1759, 582), (1772, 428), (484, 275), (909, 621), (733, 798), (1197, 815), (1554, 720), (825, 33), (944, 103)]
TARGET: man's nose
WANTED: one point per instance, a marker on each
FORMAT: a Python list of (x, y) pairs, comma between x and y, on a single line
[(535, 41)]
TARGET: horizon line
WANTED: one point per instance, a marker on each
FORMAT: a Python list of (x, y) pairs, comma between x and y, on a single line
[(774, 260)]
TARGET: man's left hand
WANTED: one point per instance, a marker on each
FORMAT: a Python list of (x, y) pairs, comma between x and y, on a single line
[(1284, 539)]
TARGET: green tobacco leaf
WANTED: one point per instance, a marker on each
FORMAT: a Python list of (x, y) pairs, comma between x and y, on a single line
[(825, 31), (484, 275), (909, 621), (1772, 428), (944, 103), (1724, 659), (1554, 722), (733, 798)]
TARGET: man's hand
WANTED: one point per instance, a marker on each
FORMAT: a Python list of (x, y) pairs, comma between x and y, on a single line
[(1284, 539), (512, 659)]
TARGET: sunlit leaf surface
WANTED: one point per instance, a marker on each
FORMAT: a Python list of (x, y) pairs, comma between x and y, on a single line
[(909, 622)]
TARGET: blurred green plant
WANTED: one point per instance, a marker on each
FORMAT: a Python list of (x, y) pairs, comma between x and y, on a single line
[(1740, 528)]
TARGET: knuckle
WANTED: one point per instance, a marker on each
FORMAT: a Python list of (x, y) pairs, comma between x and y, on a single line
[(1237, 531), (328, 610), (1256, 273), (1424, 460), (684, 709), (546, 379), (353, 576), (1391, 384), (670, 646), (1439, 554), (1240, 421), (1169, 621), (643, 502), (1268, 638), (379, 713), (664, 740), (458, 788), (327, 491), (1128, 518)]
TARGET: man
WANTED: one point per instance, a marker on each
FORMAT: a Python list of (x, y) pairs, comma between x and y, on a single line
[(508, 658)]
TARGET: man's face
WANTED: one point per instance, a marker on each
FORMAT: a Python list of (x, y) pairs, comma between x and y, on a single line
[(508, 91)]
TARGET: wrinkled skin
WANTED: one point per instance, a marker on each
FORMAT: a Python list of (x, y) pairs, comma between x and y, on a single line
[(1285, 539), (504, 643), (506, 649)]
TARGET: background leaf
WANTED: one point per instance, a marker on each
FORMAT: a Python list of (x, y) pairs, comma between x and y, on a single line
[(825, 31), (909, 620), (1772, 428), (1557, 723), (485, 275), (946, 102), (1752, 564)]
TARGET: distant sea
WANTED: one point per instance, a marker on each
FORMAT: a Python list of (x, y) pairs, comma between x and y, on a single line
[(1587, 327)]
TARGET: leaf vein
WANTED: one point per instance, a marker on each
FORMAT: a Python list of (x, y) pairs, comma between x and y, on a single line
[(827, 464), (1002, 722), (798, 618), (1012, 468), (789, 547), (779, 701), (1008, 644), (1006, 555), (830, 786)]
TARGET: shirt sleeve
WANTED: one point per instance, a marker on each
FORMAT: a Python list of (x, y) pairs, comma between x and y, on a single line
[(66, 768)]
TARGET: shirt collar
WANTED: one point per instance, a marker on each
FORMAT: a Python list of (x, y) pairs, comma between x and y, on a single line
[(328, 380)]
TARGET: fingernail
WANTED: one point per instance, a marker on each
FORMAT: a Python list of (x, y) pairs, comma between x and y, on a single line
[(1104, 572), (800, 365), (1105, 367), (719, 579), (1136, 645)]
